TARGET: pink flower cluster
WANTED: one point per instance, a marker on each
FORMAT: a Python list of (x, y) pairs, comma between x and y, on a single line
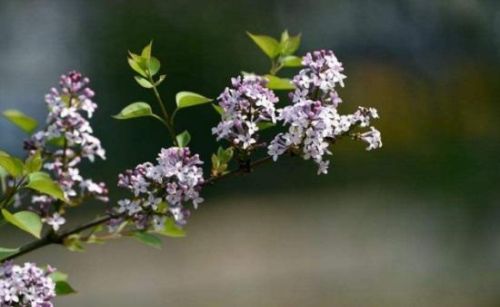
[(70, 107), (313, 120), (161, 190), (246, 104), (26, 285)]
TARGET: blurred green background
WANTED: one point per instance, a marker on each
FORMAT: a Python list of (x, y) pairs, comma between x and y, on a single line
[(413, 224)]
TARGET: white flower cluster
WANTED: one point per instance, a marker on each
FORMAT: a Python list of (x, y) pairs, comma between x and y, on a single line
[(161, 190), (70, 107), (26, 286), (313, 120), (245, 105)]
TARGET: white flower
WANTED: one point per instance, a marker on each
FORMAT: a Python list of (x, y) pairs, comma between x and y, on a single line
[(56, 221), (373, 138)]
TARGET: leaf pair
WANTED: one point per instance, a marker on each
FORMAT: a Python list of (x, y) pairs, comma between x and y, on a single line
[(285, 48), (220, 160), (170, 229), (144, 64)]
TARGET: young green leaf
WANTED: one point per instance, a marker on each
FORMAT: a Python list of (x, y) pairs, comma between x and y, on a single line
[(264, 125), (135, 63), (153, 66), (183, 138), (225, 155), (6, 252), (74, 243), (143, 82), (146, 51), (57, 141), (276, 83), (26, 123), (289, 44), (291, 61), (171, 230), (147, 238), (220, 160), (134, 110), (12, 165), (218, 109), (41, 182), (62, 285), (160, 80), (33, 163), (25, 220), (58, 276), (190, 99), (64, 288), (267, 44)]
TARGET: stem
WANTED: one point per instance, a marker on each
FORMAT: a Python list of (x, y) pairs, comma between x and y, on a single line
[(166, 117), (275, 67), (4, 202), (54, 238)]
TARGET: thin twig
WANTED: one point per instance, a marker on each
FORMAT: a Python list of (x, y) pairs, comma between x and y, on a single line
[(54, 238)]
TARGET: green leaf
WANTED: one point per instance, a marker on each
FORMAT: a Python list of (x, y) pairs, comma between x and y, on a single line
[(12, 165), (146, 51), (62, 285), (289, 44), (34, 162), (183, 138), (154, 66), (225, 155), (218, 109), (74, 243), (6, 252), (160, 80), (57, 141), (64, 288), (26, 123), (58, 276), (220, 160), (134, 62), (147, 238), (267, 44), (264, 125), (190, 99), (276, 83), (171, 229), (134, 110), (41, 182), (143, 82), (25, 220), (291, 61)]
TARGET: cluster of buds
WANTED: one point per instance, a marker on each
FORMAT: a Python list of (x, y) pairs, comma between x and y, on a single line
[(26, 285), (161, 190), (313, 121), (68, 128), (245, 105)]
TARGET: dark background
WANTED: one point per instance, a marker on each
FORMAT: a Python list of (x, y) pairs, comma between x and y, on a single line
[(413, 224)]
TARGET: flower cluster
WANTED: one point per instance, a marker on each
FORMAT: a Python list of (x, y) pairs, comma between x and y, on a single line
[(68, 128), (244, 106), (27, 286), (161, 190), (313, 120)]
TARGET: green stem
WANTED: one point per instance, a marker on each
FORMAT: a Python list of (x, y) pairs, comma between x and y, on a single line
[(166, 117), (4, 202), (54, 238)]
